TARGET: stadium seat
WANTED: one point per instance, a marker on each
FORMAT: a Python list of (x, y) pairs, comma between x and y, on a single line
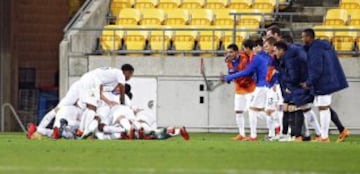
[(223, 17), (336, 17), (216, 4), (283, 4), (111, 39), (239, 4), (169, 4), (323, 35), (354, 17), (350, 4), (240, 36), (117, 5), (135, 40), (344, 40), (176, 17), (128, 16), (209, 40), (266, 6), (152, 17), (251, 20), (201, 17), (185, 40), (192, 4), (160, 40), (144, 4)]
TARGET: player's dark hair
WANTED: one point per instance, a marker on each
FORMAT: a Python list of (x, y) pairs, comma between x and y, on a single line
[(274, 29), (281, 45), (309, 32), (233, 47), (258, 42), (288, 39), (127, 67), (248, 43), (270, 40)]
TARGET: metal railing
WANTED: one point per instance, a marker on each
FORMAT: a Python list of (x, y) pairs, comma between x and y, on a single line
[(79, 14), (14, 113)]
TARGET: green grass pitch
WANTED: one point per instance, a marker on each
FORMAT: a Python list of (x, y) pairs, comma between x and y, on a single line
[(204, 153)]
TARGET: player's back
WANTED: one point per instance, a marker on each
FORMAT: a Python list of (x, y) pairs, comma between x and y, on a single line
[(261, 61), (108, 75)]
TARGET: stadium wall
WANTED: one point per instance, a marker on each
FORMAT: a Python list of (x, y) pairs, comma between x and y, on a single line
[(179, 91)]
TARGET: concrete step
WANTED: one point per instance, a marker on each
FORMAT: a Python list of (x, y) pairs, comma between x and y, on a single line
[(323, 3), (302, 25)]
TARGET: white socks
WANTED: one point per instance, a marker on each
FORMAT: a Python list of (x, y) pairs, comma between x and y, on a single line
[(311, 120), (240, 121), (325, 119), (253, 123), (47, 118)]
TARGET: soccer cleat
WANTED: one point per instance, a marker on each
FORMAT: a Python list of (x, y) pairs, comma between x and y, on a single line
[(79, 133), (345, 133), (251, 139), (298, 139), (31, 130), (317, 138), (308, 138), (56, 133), (239, 138), (141, 133), (184, 133), (284, 138), (321, 140)]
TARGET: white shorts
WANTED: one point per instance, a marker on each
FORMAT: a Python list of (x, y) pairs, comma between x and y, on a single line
[(271, 99), (104, 113), (258, 97), (71, 114), (89, 90), (241, 102), (322, 100), (121, 110)]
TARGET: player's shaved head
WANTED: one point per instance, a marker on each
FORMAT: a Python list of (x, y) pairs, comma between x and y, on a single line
[(128, 71), (307, 36)]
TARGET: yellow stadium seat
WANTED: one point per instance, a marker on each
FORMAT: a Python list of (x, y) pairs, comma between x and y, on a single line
[(336, 17), (239, 4), (323, 35), (117, 5), (185, 40), (144, 4), (251, 20), (223, 17), (169, 4), (344, 40), (110, 38), (283, 4), (354, 17), (209, 40), (192, 4), (201, 17), (216, 4), (160, 40), (136, 40), (177, 17), (128, 16), (350, 4), (240, 36), (152, 17), (264, 5)]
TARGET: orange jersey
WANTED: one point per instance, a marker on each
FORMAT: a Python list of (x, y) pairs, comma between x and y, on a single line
[(243, 85)]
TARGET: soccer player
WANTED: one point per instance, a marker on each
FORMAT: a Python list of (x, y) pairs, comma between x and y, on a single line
[(258, 99), (326, 77), (243, 86)]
